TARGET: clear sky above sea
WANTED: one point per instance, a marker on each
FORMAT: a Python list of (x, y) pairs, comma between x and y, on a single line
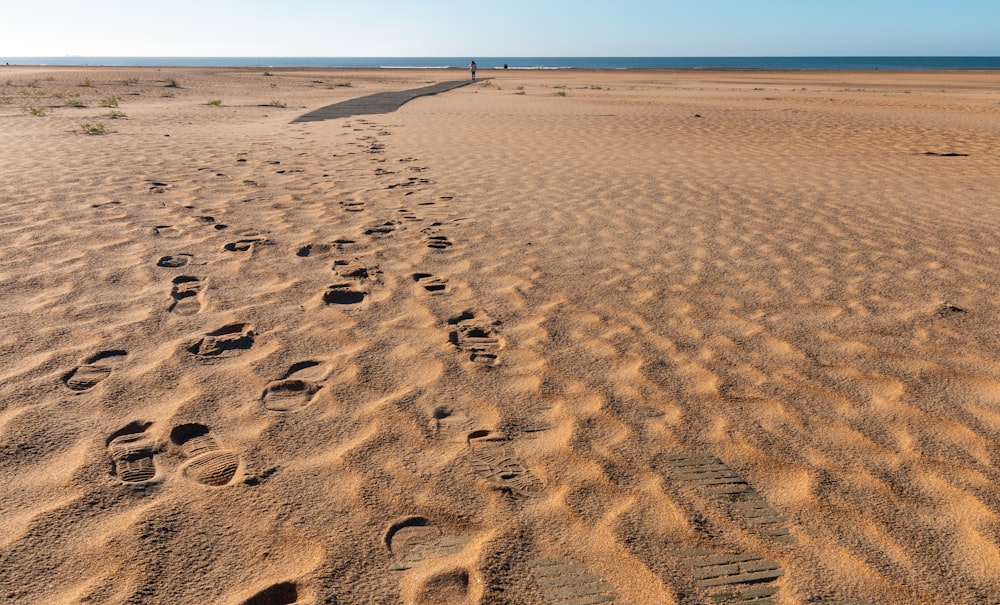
[(515, 28)]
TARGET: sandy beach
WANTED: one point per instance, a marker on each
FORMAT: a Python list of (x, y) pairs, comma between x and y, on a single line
[(556, 337)]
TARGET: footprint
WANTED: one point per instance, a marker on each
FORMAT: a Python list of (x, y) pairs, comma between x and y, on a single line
[(131, 450), (409, 182), (447, 420), (451, 586), (414, 539), (284, 593), (296, 388), (730, 577), (226, 341), (207, 462), (435, 285), (382, 228), (499, 464), (315, 249), (472, 335), (173, 262), (342, 294), (243, 245), (566, 583), (95, 369), (706, 471), (186, 293), (437, 242), (356, 270), (168, 231), (353, 206)]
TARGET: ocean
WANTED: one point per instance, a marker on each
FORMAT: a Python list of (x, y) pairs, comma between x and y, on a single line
[(737, 63)]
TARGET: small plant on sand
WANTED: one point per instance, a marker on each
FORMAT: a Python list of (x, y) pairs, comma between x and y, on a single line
[(168, 94), (111, 101), (36, 111), (561, 93), (97, 128), (520, 92), (87, 83), (75, 103), (130, 81), (215, 103), (116, 115), (277, 104), (171, 83), (32, 84), (50, 79), (267, 73)]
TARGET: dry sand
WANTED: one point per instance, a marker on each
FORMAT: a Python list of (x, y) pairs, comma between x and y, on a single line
[(560, 337)]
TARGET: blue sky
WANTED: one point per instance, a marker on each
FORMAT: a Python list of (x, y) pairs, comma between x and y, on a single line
[(514, 28)]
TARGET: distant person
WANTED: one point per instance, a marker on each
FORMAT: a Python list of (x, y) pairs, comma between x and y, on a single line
[(505, 66), (472, 68)]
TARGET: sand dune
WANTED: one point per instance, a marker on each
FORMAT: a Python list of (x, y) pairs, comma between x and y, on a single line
[(557, 337)]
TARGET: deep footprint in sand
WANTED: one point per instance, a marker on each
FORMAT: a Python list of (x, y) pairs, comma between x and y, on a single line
[(207, 462), (244, 245), (167, 231), (94, 370), (296, 388), (434, 285), (414, 539), (131, 449), (227, 341), (186, 295), (472, 334), (343, 294), (438, 242), (356, 270), (174, 261)]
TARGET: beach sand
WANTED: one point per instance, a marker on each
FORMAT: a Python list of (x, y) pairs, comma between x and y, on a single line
[(556, 337)]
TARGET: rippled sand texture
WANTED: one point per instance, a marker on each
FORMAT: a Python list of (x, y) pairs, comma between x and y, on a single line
[(559, 337)]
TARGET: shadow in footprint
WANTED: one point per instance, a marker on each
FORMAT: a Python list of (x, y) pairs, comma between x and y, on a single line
[(284, 593), (131, 449), (342, 294), (94, 370), (208, 463)]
